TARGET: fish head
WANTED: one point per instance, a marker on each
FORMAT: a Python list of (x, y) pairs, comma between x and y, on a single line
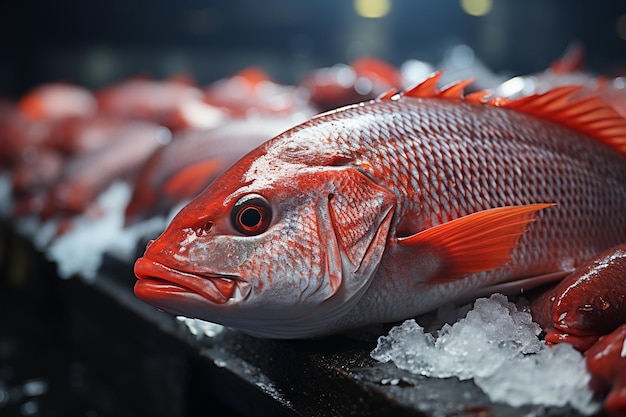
[(274, 248)]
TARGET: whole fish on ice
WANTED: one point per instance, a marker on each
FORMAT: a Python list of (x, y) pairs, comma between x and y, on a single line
[(383, 210)]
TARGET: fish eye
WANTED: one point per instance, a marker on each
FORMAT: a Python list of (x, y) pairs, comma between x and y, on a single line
[(251, 215)]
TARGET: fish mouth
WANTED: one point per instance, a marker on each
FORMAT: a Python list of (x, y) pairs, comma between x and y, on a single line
[(157, 280)]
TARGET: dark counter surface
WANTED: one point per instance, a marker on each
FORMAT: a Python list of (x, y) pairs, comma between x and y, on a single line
[(68, 347)]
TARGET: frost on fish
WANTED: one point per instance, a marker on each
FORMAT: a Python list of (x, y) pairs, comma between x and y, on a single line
[(497, 346)]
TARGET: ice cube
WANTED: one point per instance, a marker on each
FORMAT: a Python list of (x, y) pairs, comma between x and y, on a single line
[(497, 345)]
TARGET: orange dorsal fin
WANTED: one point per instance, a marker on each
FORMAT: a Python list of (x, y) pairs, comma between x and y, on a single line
[(425, 89), (477, 96), (456, 89), (478, 242), (388, 94), (590, 115), (428, 88)]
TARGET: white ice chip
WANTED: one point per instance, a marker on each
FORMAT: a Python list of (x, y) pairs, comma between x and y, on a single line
[(79, 251), (496, 345)]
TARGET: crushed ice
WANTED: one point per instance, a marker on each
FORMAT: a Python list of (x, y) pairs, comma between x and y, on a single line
[(79, 251), (497, 345), (6, 201), (200, 328)]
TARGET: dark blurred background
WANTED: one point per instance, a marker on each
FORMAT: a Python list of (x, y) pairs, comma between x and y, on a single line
[(97, 42)]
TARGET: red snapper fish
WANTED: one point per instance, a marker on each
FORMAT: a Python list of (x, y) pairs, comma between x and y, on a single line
[(384, 210), (57, 101)]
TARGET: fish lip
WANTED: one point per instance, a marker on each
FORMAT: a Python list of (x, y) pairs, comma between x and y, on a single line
[(157, 279)]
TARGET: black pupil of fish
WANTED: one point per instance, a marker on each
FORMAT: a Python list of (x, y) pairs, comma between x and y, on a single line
[(250, 217)]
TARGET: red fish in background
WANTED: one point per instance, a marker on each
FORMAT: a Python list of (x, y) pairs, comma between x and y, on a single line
[(381, 74), (257, 107), (86, 175), (57, 101), (588, 310), (174, 103), (587, 304), (17, 135), (10, 122), (364, 79), (80, 135), (606, 362), (252, 92), (8, 109), (39, 120), (178, 171), (383, 210), (40, 161), (37, 170), (569, 71), (34, 172)]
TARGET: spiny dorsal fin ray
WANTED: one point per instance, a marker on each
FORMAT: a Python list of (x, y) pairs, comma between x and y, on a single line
[(387, 94), (590, 115), (428, 88), (456, 89), (478, 97)]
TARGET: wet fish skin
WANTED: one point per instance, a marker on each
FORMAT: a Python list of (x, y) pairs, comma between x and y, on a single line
[(606, 363), (383, 210), (587, 304)]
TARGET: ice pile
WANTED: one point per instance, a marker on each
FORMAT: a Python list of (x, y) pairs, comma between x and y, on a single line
[(80, 251), (200, 328), (496, 344)]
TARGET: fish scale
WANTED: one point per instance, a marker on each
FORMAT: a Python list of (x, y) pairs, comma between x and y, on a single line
[(550, 173), (387, 209), (492, 184)]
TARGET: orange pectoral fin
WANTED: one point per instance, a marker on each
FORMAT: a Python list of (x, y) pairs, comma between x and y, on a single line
[(190, 180), (477, 242)]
